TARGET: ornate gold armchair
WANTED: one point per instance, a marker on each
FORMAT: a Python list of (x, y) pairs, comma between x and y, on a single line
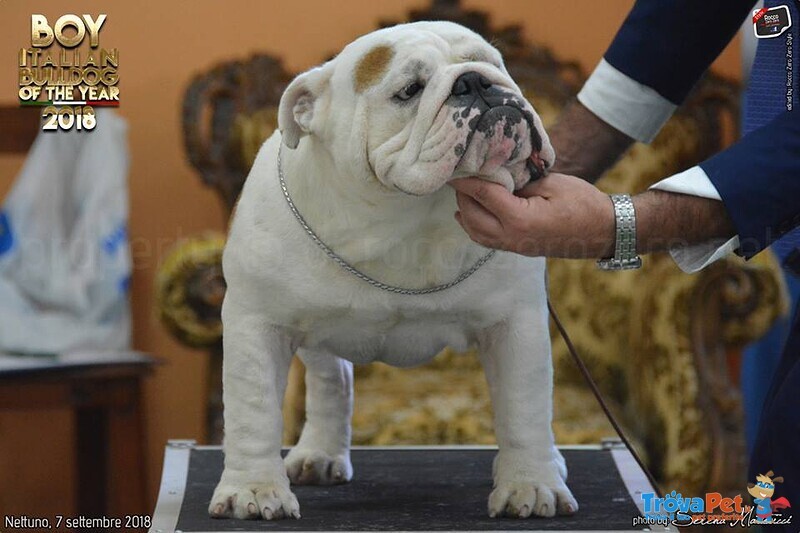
[(664, 346)]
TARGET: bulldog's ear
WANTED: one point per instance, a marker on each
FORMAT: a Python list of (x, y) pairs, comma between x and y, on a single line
[(296, 110)]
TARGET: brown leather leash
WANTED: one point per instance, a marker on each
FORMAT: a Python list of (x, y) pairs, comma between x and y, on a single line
[(599, 396)]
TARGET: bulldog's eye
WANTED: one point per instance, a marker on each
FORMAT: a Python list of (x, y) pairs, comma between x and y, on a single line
[(409, 91)]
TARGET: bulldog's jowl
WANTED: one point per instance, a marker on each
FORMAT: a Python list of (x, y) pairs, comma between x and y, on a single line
[(472, 91)]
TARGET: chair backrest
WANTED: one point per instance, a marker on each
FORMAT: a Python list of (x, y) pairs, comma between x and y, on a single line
[(212, 104)]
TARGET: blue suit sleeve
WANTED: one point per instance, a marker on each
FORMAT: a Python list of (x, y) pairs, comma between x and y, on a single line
[(668, 44), (758, 179)]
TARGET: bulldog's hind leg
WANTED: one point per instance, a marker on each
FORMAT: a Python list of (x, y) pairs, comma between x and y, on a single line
[(255, 368), (529, 472), (322, 455)]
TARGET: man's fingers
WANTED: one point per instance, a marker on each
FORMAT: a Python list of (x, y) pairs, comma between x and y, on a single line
[(493, 196), (539, 188), (476, 217), (479, 223), (475, 235), (473, 209), (531, 190)]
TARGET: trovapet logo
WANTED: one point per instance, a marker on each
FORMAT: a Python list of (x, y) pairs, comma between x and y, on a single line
[(715, 509)]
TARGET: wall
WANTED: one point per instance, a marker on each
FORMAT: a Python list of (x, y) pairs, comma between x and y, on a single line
[(162, 44)]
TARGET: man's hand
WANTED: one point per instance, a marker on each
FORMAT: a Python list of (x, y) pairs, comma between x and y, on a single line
[(556, 216), (565, 216)]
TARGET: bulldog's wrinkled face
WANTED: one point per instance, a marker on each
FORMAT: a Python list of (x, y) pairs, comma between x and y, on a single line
[(416, 105)]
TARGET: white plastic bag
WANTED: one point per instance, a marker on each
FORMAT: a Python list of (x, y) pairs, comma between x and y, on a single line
[(65, 264)]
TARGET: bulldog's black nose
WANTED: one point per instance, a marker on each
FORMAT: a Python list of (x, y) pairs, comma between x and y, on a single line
[(470, 83)]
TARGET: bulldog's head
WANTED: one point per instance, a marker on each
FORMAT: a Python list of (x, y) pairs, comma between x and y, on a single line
[(416, 105)]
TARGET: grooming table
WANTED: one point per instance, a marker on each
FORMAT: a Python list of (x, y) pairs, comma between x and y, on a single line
[(425, 488)]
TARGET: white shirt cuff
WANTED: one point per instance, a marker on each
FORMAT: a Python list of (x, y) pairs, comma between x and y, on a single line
[(629, 106), (696, 257)]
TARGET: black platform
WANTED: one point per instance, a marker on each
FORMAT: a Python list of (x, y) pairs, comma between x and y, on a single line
[(400, 489)]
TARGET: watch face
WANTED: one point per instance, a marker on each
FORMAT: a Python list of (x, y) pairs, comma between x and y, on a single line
[(772, 22)]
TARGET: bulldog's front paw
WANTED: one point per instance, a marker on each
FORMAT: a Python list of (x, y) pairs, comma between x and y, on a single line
[(314, 467), (270, 499), (523, 488)]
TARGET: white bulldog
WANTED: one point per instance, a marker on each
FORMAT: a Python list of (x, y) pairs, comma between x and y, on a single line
[(371, 138)]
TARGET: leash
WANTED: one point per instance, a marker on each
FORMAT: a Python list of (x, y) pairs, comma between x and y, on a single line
[(598, 395)]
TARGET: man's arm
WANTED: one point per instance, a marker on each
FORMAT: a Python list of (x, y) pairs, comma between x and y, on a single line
[(666, 45), (757, 179), (564, 216), (666, 221), (585, 145), (659, 53), (750, 191)]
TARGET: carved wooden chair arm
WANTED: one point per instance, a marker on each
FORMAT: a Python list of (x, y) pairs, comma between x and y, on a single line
[(190, 288), (685, 362)]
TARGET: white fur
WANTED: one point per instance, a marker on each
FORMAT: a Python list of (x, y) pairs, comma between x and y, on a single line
[(285, 295)]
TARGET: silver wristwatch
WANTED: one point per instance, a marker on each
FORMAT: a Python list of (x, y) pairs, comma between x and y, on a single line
[(625, 257)]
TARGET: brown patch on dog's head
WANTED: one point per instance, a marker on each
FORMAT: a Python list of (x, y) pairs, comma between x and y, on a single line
[(372, 67)]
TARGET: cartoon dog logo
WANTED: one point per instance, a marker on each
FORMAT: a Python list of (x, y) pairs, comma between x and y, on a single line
[(762, 493)]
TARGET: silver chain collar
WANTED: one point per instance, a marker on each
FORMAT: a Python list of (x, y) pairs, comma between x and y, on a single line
[(354, 271)]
